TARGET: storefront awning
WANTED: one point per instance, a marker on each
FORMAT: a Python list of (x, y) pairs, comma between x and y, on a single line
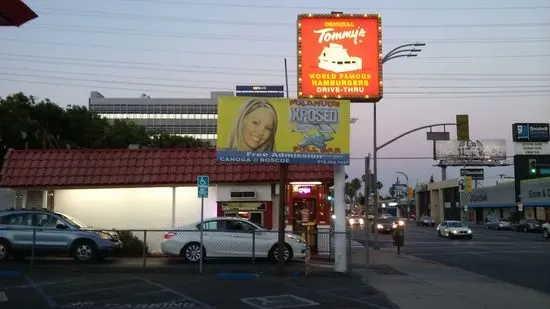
[(15, 13)]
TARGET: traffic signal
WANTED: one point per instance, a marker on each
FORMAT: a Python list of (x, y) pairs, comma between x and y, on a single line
[(462, 128), (532, 166), (330, 195)]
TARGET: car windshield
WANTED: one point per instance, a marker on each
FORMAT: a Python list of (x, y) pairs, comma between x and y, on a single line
[(73, 221), (384, 220), (456, 224)]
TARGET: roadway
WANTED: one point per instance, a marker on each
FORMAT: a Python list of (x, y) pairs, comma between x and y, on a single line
[(517, 258)]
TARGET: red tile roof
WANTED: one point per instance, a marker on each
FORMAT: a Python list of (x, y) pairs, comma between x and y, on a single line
[(139, 167)]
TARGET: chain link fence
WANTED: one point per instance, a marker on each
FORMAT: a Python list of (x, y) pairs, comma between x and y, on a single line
[(145, 248)]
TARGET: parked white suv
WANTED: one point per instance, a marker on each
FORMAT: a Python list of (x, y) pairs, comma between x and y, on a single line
[(546, 230)]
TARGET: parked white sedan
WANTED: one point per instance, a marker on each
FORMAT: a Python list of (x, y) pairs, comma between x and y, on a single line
[(230, 237), (454, 229)]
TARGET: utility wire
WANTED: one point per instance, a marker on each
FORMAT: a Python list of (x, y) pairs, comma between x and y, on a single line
[(268, 39), (325, 8), (210, 81), (179, 86), (219, 69), (180, 93), (264, 23)]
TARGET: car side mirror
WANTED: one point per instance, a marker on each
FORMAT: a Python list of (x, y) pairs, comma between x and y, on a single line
[(61, 226)]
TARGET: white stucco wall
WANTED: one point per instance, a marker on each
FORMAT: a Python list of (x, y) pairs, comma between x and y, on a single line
[(7, 198), (134, 208)]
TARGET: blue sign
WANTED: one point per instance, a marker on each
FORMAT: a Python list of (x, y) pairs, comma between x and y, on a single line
[(202, 185), (531, 132), (281, 157)]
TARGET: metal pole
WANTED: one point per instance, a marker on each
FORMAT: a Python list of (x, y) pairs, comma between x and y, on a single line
[(368, 189), (286, 79), (375, 176), (202, 229), (283, 171)]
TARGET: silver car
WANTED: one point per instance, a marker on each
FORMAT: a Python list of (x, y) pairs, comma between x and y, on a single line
[(51, 233)]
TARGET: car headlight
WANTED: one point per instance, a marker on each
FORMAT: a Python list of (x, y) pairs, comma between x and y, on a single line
[(361, 221), (401, 222), (380, 226), (394, 225), (350, 221), (469, 232), (454, 232), (104, 235)]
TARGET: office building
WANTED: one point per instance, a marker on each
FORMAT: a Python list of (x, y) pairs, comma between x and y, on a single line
[(196, 117)]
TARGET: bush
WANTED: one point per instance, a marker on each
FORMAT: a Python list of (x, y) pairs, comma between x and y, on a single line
[(132, 245)]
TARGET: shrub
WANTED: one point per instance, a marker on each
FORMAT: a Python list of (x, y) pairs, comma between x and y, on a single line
[(132, 245)]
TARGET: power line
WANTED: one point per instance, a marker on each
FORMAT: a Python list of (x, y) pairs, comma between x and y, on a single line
[(180, 93), (179, 86), (324, 8), (152, 66), (165, 81), (102, 14), (270, 39)]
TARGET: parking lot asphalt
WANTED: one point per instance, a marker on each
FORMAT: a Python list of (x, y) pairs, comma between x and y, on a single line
[(52, 289), (515, 257)]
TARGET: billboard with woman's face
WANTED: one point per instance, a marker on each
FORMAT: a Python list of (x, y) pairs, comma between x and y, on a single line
[(277, 130)]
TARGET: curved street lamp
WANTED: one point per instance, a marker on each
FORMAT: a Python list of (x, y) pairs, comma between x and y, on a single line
[(405, 50)]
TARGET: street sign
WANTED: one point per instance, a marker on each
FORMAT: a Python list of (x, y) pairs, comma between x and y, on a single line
[(531, 132), (475, 173), (202, 186)]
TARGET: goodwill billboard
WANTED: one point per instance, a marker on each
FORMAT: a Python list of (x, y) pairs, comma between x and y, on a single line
[(340, 56), (277, 130)]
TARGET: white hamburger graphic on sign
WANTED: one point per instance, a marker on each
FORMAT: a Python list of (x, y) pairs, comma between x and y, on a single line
[(335, 58)]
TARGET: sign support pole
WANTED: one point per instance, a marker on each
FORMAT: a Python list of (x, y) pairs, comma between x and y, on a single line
[(202, 232), (283, 170), (203, 183)]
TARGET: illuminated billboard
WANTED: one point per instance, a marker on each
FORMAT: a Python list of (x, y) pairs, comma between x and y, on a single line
[(340, 56)]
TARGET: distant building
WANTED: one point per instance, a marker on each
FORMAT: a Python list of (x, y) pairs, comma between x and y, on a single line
[(194, 117)]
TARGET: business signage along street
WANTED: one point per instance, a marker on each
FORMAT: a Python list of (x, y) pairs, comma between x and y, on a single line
[(340, 56), (531, 132), (454, 151), (536, 192), (277, 130), (501, 195), (475, 173), (531, 148), (260, 91)]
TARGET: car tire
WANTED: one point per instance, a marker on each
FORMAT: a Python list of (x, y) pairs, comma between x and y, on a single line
[(191, 253), (546, 234), (84, 251), (439, 233), (274, 256), (5, 250)]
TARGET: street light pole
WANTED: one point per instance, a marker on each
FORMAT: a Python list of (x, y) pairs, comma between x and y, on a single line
[(406, 50)]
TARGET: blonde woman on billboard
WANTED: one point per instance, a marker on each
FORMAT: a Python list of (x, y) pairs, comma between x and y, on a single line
[(255, 127)]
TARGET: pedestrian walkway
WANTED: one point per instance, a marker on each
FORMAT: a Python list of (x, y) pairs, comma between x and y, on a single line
[(413, 283)]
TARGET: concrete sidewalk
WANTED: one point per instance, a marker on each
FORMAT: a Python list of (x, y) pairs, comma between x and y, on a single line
[(413, 283)]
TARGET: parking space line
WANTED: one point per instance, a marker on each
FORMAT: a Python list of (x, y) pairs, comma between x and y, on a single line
[(3, 297), (115, 299), (51, 303), (205, 306), (99, 290)]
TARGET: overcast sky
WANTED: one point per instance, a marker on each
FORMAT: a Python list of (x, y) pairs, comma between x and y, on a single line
[(488, 59)]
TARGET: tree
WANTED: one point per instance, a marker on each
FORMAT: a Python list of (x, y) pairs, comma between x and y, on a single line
[(352, 188), (164, 140), (29, 123)]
